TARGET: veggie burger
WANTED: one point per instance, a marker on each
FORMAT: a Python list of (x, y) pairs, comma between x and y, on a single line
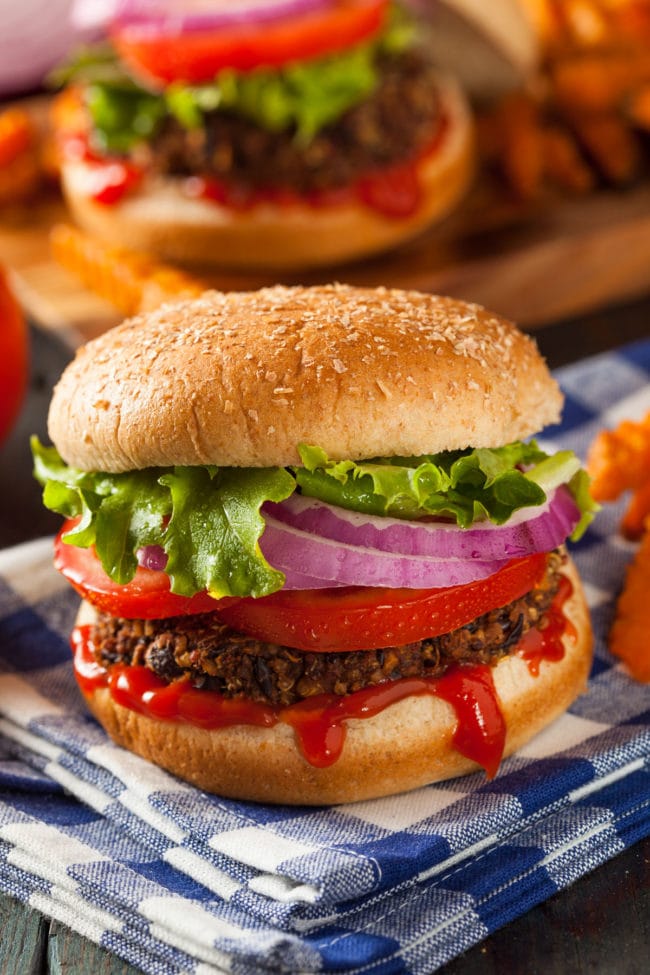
[(270, 133), (319, 560)]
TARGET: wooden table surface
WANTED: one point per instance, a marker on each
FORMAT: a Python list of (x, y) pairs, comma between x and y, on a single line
[(598, 926)]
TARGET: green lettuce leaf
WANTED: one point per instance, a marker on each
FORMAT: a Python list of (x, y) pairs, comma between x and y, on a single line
[(207, 520), (466, 486), (123, 112), (579, 486), (212, 537), (305, 96), (122, 115)]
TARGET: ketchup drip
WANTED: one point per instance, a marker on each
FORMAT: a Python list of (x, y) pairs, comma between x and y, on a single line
[(546, 643), (481, 731), (320, 722)]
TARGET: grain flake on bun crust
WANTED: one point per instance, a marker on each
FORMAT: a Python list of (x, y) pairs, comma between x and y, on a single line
[(436, 567)]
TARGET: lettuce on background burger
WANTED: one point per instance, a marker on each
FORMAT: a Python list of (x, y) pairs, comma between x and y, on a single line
[(320, 560), (269, 133)]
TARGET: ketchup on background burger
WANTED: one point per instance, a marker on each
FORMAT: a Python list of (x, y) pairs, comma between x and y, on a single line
[(320, 561), (268, 133)]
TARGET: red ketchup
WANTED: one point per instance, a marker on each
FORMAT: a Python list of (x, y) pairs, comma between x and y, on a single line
[(320, 722), (546, 644)]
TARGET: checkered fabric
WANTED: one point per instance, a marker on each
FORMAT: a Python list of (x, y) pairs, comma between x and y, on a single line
[(173, 880)]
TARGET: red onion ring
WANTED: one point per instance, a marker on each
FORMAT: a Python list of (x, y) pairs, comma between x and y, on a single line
[(311, 562), (538, 529), (292, 550), (158, 16), (152, 557)]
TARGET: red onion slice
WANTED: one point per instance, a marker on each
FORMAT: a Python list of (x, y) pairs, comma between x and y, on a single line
[(152, 557), (292, 550), (311, 562), (538, 529), (302, 580), (158, 16)]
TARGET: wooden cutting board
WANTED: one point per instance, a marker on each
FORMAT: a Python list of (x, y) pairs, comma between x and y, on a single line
[(535, 266)]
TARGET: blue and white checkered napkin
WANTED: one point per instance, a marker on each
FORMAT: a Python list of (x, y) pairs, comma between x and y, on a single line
[(174, 880)]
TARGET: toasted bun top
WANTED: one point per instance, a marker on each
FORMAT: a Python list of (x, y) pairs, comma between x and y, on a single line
[(241, 379)]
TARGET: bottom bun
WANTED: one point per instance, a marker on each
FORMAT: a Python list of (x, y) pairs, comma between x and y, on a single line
[(407, 745), (160, 219)]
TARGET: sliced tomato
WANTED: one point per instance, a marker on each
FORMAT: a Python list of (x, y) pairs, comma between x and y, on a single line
[(147, 596), (367, 618), (197, 56)]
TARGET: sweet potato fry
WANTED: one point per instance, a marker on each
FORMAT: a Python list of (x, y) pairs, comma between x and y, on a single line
[(592, 94), (611, 145), (585, 21), (632, 19), (598, 82), (619, 460), (637, 513), (629, 636), (20, 171), (19, 180), (564, 165), (131, 281), (167, 284), (521, 139), (638, 107), (16, 135)]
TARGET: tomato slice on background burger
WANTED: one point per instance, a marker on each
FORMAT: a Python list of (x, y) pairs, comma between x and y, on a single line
[(319, 620), (160, 52)]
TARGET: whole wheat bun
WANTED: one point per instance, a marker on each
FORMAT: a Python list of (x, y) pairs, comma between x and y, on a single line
[(241, 379), (407, 745), (160, 219)]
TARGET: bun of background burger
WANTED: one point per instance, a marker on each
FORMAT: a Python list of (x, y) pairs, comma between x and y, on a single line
[(491, 48), (238, 381), (374, 156)]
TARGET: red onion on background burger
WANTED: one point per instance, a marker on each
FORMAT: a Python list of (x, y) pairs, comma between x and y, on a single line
[(266, 133), (320, 560)]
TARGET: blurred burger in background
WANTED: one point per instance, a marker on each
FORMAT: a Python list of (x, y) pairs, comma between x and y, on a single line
[(263, 133)]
